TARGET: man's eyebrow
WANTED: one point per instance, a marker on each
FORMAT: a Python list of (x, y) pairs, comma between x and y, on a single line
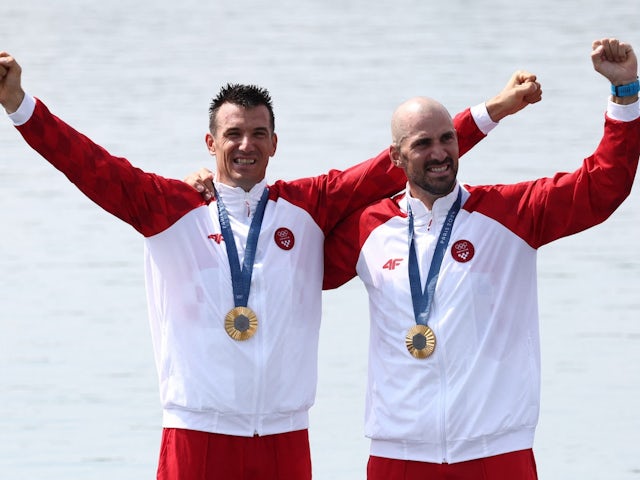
[(422, 140)]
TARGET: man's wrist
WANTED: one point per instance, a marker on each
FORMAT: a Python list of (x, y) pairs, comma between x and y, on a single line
[(12, 104), (624, 100), (24, 110), (496, 109)]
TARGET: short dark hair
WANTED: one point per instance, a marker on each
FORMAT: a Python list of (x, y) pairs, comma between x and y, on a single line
[(246, 96)]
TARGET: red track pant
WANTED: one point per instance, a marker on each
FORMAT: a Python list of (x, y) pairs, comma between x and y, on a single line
[(518, 465), (193, 455)]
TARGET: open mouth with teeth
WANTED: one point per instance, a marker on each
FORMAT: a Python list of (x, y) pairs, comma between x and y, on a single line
[(439, 168), (244, 161)]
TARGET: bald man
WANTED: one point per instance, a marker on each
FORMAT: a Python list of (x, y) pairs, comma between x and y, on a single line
[(454, 356)]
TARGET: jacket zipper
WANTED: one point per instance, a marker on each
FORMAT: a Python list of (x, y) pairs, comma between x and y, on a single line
[(443, 407)]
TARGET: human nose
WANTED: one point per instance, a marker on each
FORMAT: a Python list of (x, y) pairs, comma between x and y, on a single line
[(438, 152), (245, 143)]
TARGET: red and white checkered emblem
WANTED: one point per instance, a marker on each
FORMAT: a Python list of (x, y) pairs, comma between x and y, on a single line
[(284, 238), (462, 251)]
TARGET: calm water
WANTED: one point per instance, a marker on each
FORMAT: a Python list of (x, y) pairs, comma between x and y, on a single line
[(78, 391)]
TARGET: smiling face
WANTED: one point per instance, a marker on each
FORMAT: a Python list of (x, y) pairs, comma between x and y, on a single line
[(426, 148), (242, 140)]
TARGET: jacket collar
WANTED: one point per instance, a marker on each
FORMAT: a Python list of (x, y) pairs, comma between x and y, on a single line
[(239, 203), (423, 215)]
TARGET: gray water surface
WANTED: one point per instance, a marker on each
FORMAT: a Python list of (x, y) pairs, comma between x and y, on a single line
[(78, 392)]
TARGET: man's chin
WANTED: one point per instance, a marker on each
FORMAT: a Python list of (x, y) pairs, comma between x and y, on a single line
[(440, 189)]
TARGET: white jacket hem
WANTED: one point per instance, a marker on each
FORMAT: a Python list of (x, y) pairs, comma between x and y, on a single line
[(457, 450), (235, 424)]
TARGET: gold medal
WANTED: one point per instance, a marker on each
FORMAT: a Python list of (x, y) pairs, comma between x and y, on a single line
[(420, 341), (241, 323)]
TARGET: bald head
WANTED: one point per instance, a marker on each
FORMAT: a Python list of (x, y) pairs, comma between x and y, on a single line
[(415, 115), (425, 146)]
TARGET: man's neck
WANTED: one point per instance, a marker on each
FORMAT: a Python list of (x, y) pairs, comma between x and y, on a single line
[(247, 187), (425, 197)]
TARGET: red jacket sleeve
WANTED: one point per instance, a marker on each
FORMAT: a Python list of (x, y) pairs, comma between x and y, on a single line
[(546, 209), (342, 245), (331, 197), (469, 135), (148, 202)]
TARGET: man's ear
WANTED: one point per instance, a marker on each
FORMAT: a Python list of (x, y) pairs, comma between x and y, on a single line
[(394, 155), (274, 140), (211, 144)]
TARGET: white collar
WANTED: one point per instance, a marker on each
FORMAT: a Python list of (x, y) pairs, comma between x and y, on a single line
[(238, 202), (422, 214)]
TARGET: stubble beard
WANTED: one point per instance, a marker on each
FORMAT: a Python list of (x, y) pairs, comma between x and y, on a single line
[(436, 188)]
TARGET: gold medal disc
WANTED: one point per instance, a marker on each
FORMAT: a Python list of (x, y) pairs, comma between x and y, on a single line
[(241, 323), (420, 341)]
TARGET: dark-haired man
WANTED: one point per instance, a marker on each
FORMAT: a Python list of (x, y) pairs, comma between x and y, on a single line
[(233, 287)]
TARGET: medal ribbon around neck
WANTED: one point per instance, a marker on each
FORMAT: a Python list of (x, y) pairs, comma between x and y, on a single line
[(420, 340), (241, 322)]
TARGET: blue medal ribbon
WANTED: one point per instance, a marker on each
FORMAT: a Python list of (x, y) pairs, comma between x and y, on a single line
[(241, 278), (422, 299)]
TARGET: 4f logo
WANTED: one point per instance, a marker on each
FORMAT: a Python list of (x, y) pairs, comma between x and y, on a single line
[(392, 263), (216, 237)]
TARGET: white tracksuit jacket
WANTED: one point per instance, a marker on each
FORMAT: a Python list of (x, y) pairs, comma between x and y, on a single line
[(478, 394), (208, 381)]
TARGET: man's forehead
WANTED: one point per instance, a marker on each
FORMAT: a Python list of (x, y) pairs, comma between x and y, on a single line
[(426, 133), (232, 115), (238, 110), (427, 119)]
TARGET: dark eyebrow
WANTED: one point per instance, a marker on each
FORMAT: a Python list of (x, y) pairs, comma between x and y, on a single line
[(421, 141), (232, 130), (448, 135)]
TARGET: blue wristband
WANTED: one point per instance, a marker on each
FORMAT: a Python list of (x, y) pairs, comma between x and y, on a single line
[(625, 90)]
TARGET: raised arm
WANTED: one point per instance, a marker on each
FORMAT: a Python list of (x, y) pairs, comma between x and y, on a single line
[(146, 201), (546, 209)]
